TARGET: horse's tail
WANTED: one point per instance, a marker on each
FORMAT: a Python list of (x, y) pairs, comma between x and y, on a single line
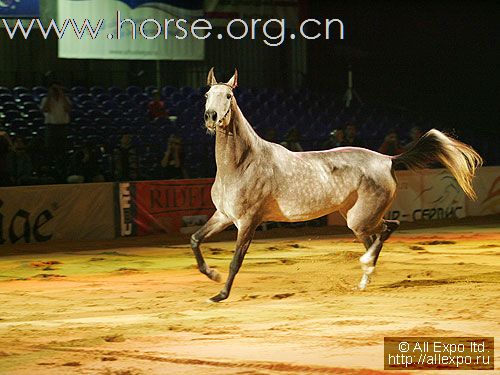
[(460, 159)]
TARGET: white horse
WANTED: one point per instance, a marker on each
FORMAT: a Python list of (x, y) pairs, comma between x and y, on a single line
[(260, 181)]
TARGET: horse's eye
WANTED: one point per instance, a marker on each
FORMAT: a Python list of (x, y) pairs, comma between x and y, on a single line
[(228, 96)]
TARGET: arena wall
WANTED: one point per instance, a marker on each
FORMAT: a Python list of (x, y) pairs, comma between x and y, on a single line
[(34, 214), (31, 214), (433, 194)]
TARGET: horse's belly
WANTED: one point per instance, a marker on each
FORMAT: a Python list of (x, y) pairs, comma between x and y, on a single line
[(305, 206)]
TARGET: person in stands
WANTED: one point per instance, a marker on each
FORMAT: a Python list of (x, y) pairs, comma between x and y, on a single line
[(56, 108), (156, 107), (336, 139), (126, 161), (19, 164), (391, 144), (173, 159)]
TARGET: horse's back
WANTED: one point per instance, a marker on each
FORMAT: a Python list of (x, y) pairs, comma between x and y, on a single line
[(310, 184)]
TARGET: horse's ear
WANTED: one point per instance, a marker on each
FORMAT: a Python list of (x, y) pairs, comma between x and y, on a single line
[(233, 82), (211, 78)]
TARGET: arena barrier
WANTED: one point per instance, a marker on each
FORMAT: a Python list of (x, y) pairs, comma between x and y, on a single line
[(31, 214), (34, 214), (172, 206), (434, 194)]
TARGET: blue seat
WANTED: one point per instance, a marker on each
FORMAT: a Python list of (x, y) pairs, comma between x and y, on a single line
[(167, 91), (113, 113), (9, 106), (18, 123), (121, 97), (11, 115), (20, 90), (94, 113), (109, 104), (76, 90), (149, 90), (6, 98), (25, 97), (32, 114), (102, 97), (141, 97), (96, 90), (37, 123), (133, 90), (114, 91)]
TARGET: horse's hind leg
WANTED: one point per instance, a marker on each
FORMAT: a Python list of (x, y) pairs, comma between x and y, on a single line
[(217, 223), (365, 220), (369, 259), (372, 252)]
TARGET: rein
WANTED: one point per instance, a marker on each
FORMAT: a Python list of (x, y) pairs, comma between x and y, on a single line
[(224, 131)]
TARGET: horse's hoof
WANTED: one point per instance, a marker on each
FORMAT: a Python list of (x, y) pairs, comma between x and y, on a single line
[(219, 297)]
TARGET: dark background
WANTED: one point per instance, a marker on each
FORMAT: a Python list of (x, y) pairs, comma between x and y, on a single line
[(438, 58)]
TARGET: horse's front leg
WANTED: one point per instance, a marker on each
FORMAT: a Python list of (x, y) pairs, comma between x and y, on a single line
[(214, 225), (245, 236)]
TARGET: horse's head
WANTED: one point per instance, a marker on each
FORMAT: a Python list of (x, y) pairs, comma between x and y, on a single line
[(219, 99)]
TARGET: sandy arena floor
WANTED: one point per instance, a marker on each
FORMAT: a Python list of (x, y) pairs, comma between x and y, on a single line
[(143, 310)]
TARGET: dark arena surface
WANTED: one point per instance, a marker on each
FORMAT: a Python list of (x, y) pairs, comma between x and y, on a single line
[(135, 133)]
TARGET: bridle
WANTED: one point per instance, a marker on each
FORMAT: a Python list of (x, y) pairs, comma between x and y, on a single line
[(217, 129)]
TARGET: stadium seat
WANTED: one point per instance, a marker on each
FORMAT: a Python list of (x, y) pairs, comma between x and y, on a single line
[(5, 97), (10, 105), (133, 90), (167, 91), (10, 115), (20, 90), (114, 91), (96, 90)]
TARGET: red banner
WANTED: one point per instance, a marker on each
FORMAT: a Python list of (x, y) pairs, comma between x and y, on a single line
[(170, 206)]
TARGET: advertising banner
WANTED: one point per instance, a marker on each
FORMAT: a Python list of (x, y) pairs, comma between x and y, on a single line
[(34, 214), (408, 196), (435, 194), (183, 206), (130, 29), (172, 206), (487, 186), (442, 197), (19, 8)]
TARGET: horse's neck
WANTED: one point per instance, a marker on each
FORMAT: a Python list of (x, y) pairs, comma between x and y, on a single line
[(235, 148)]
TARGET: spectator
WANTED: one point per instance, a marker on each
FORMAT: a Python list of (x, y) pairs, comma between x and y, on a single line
[(84, 166), (351, 136), (415, 134), (19, 164), (56, 107), (40, 161), (156, 107), (292, 140), (126, 165), (173, 159), (391, 144), (5, 148), (336, 139)]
